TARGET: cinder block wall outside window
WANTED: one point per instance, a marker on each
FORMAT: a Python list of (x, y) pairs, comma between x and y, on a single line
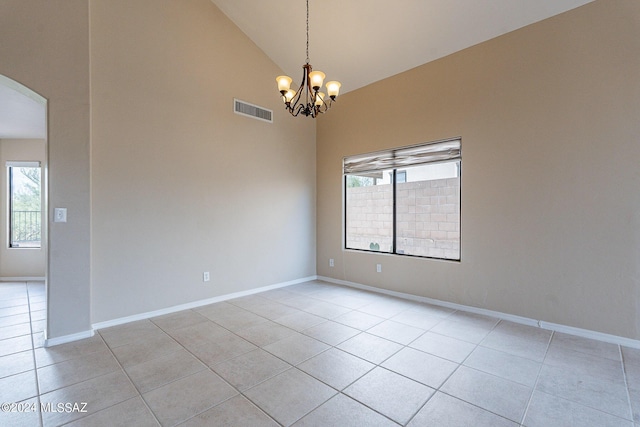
[(428, 218)]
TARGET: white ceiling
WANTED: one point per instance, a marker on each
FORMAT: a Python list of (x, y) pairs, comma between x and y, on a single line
[(358, 42)]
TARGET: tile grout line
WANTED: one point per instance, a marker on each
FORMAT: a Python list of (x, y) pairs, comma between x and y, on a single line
[(304, 415), (341, 392), (460, 364), (588, 405), (404, 346), (338, 392), (361, 331), (535, 385), (291, 366), (33, 355), (443, 382), (379, 365), (79, 382), (332, 346), (207, 367), (626, 382), (130, 381), (456, 370), (129, 378)]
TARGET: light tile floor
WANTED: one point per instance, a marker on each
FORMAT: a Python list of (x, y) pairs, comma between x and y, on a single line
[(313, 354)]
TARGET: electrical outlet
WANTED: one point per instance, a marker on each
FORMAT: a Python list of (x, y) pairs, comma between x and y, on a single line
[(205, 276), (331, 263), (379, 268)]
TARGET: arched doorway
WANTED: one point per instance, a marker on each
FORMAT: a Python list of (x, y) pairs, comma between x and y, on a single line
[(23, 218)]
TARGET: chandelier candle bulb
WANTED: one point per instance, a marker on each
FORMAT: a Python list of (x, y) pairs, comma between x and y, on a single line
[(333, 88), (284, 83), (288, 96), (317, 78)]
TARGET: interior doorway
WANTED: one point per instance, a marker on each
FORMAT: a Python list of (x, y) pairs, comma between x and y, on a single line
[(23, 215)]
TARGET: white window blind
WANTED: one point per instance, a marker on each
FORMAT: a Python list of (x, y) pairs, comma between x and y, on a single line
[(403, 157)]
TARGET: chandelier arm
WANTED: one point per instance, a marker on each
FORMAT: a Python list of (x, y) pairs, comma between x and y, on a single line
[(296, 99), (306, 82), (295, 113), (302, 108)]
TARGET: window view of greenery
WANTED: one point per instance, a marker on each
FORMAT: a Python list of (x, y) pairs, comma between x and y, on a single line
[(25, 201)]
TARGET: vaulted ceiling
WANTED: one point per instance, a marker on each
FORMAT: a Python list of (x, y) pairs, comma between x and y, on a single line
[(358, 42)]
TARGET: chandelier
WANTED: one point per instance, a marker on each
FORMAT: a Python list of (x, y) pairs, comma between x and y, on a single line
[(308, 100)]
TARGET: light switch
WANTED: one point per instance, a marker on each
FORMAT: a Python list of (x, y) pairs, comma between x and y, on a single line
[(60, 215)]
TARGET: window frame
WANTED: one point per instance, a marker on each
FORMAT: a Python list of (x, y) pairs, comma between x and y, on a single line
[(10, 165), (395, 172)]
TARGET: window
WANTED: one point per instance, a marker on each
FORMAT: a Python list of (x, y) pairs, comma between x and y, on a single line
[(25, 204), (405, 201)]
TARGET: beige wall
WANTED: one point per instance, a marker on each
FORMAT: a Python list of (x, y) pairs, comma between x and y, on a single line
[(181, 184), (548, 117), (19, 262), (535, 109), (45, 47)]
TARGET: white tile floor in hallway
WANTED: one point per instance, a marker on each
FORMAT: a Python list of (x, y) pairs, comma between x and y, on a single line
[(313, 354)]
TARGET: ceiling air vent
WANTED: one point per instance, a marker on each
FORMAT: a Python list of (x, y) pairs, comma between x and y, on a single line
[(249, 110)]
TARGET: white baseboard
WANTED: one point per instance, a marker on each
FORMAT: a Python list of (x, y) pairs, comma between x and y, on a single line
[(594, 335), (50, 342), (22, 279), (584, 333), (195, 304)]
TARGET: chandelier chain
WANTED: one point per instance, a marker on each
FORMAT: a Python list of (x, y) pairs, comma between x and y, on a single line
[(307, 31)]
